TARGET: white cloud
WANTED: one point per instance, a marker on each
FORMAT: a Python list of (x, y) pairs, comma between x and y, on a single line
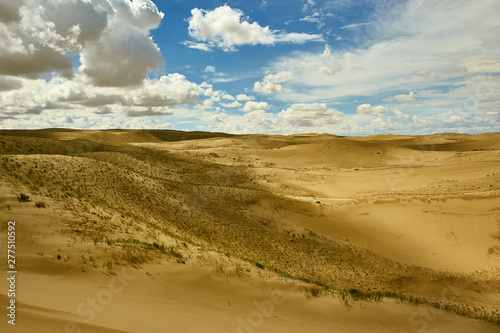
[(400, 114), (82, 120), (308, 5), (216, 118), (308, 66), (310, 115), (226, 28), (453, 45), (254, 106), (297, 38), (244, 98), (280, 77), (111, 37), (367, 108), (234, 104), (270, 83), (197, 46), (319, 17), (205, 104), (210, 92), (313, 18), (168, 90), (298, 118), (210, 69), (228, 97), (427, 74), (77, 94), (124, 53), (402, 97), (433, 39), (267, 87)]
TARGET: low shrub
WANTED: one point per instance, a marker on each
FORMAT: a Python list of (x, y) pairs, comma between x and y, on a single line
[(23, 198)]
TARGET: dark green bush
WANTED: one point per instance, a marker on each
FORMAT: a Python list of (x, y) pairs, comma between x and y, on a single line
[(23, 198)]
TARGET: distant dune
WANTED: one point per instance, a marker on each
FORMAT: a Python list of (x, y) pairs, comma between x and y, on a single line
[(167, 231)]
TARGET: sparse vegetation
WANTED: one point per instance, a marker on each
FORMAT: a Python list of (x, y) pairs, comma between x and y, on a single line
[(40, 204), (109, 265), (239, 270), (219, 267), (313, 292), (23, 198)]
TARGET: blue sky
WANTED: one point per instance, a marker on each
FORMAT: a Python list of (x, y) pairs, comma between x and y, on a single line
[(269, 66)]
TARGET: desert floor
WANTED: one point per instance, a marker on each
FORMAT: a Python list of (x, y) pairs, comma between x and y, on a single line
[(163, 231)]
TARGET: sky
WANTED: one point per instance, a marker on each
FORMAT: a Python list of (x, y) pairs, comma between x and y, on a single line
[(345, 67)]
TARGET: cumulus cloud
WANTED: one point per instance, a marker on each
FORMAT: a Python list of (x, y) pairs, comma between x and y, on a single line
[(298, 118), (111, 37), (120, 59), (205, 104), (400, 114), (210, 92), (61, 93), (402, 97), (234, 104), (228, 97), (244, 98), (267, 87), (270, 83), (254, 106), (326, 63), (124, 53), (168, 90), (226, 28), (39, 86), (368, 108), (31, 44), (310, 115), (81, 120)]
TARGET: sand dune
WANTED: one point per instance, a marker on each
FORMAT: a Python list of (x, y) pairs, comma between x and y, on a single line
[(189, 232)]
